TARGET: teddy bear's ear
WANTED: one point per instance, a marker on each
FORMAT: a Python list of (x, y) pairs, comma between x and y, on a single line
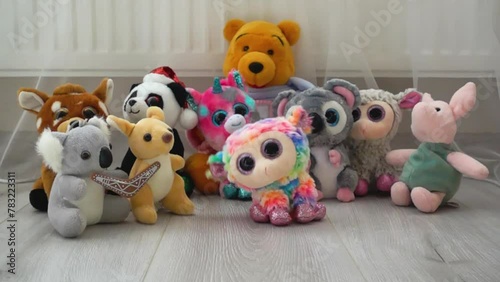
[(31, 99), (280, 102), (291, 30), (105, 90), (344, 88), (122, 125), (50, 147), (232, 27)]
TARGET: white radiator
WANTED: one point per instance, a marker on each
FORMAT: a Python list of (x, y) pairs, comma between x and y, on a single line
[(340, 37)]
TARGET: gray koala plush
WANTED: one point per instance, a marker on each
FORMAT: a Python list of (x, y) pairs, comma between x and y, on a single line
[(330, 108), (75, 200)]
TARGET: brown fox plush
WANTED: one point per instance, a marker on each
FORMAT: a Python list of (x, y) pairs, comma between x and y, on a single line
[(68, 102), (151, 140)]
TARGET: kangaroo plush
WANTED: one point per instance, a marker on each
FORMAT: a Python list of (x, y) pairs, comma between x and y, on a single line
[(151, 140), (75, 200)]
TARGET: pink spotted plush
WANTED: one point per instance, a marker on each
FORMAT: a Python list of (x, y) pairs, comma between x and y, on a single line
[(270, 158), (222, 109)]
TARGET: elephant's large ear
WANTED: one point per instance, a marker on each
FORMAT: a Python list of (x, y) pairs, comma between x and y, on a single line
[(50, 147), (232, 27), (279, 103), (344, 88)]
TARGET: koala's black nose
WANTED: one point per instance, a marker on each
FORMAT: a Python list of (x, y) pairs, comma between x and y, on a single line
[(256, 67), (317, 122), (132, 102), (105, 157)]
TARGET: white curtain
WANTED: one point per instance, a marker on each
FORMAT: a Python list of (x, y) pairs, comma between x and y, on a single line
[(435, 46)]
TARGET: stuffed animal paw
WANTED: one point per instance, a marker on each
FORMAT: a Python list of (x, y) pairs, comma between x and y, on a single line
[(335, 158)]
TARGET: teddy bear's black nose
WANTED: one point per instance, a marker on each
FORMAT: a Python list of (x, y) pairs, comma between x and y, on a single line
[(256, 67), (317, 122), (105, 158), (132, 102)]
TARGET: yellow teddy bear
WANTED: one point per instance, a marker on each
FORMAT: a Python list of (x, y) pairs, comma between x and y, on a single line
[(262, 52)]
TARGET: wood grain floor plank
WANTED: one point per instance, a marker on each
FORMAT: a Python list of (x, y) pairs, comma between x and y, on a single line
[(221, 243), (112, 252), (402, 244)]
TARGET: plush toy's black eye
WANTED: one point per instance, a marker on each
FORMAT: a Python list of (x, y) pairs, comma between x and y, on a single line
[(271, 149), (85, 155), (110, 146), (356, 114), (246, 163), (147, 137), (245, 48), (89, 112), (171, 130), (240, 109), (438, 109), (270, 52), (61, 113), (332, 117), (153, 100), (376, 113), (218, 117)]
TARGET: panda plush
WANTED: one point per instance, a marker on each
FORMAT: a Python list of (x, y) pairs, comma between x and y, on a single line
[(160, 88)]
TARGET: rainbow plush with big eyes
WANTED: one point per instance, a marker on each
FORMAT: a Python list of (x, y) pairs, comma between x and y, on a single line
[(222, 109), (270, 159)]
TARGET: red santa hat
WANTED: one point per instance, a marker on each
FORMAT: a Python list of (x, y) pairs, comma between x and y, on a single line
[(165, 75)]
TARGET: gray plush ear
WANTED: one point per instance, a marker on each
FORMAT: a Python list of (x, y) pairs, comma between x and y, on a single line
[(101, 124), (344, 88), (281, 100), (50, 147)]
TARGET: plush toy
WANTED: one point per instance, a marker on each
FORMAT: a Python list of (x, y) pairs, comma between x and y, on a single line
[(432, 173), (160, 88), (222, 109), (262, 52), (270, 158), (68, 101), (151, 140), (75, 200), (376, 122), (330, 108)]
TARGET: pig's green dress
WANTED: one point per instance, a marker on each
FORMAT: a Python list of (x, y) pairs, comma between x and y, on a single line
[(428, 168)]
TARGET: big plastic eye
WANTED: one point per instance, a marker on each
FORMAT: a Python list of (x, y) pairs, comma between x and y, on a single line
[(240, 109), (153, 101), (245, 48), (89, 112), (356, 114), (332, 117), (147, 137), (61, 113), (246, 163), (376, 113), (85, 155), (271, 149), (218, 117)]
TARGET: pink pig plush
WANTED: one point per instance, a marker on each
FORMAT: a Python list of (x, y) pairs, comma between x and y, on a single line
[(432, 173)]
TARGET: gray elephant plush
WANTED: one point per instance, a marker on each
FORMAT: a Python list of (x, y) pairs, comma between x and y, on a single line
[(330, 108), (76, 201)]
